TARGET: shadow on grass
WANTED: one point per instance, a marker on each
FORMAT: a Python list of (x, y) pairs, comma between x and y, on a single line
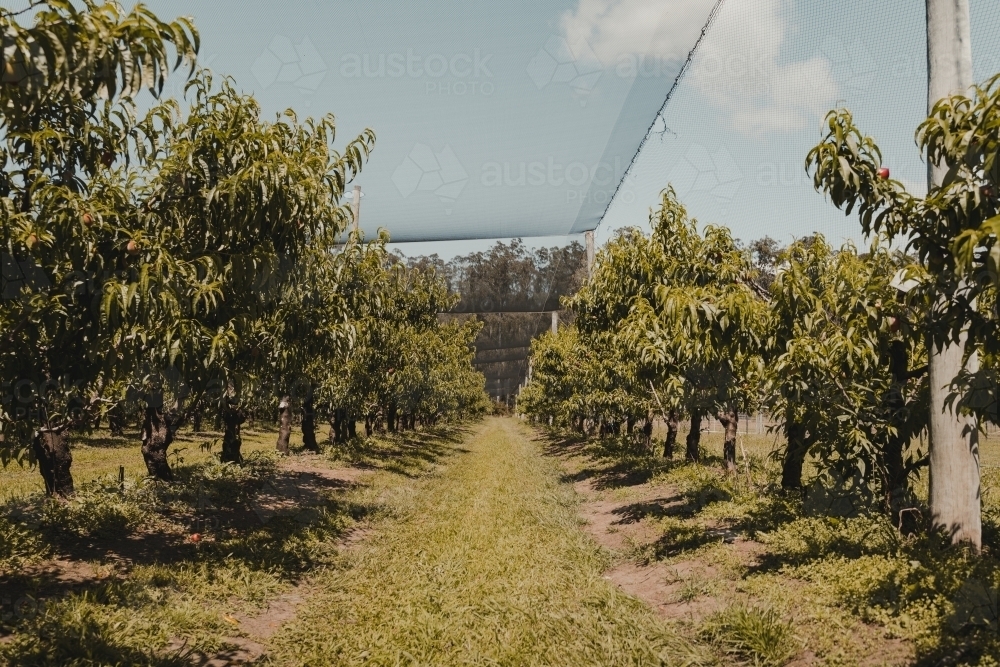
[(943, 598), (407, 453), (613, 463), (259, 526)]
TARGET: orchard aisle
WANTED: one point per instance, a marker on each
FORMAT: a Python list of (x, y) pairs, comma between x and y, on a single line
[(488, 565)]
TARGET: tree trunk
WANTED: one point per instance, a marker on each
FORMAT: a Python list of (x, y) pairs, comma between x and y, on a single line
[(647, 433), (54, 462), (335, 426), (730, 420), (694, 437), (795, 453), (284, 424), (352, 427), (391, 417), (232, 418), (369, 425), (196, 419), (156, 438), (309, 425), (670, 443), (895, 487), (116, 421)]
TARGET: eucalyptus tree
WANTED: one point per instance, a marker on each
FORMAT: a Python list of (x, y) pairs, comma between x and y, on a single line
[(954, 232), (67, 211)]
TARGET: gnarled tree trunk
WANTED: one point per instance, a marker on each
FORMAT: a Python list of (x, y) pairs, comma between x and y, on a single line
[(895, 485), (157, 435), (671, 442), (54, 462), (795, 453), (391, 417), (116, 420), (647, 433), (694, 437), (232, 442), (335, 426), (730, 420), (309, 425)]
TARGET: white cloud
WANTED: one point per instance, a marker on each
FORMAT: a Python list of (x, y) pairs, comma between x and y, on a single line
[(614, 29), (739, 68)]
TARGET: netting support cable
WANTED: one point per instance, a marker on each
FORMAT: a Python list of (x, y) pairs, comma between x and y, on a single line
[(670, 93)]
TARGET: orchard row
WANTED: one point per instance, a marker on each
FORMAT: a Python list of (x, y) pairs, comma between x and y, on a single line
[(853, 354), (191, 261)]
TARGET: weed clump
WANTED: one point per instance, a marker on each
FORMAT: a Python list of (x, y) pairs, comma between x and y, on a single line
[(19, 545), (757, 635), (102, 509), (809, 538)]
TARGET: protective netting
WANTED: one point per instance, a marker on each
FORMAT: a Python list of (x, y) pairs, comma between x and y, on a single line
[(499, 121), (494, 120), (734, 136), (512, 289)]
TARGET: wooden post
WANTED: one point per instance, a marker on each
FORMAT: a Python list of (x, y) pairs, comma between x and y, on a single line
[(954, 439), (590, 252), (555, 322), (356, 208)]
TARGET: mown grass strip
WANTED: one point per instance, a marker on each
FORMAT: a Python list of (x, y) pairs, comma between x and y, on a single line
[(488, 566)]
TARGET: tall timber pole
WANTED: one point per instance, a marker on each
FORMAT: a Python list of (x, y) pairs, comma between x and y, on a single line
[(356, 208), (954, 439), (589, 236)]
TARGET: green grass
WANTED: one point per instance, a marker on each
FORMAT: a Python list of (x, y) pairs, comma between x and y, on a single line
[(476, 557), (486, 565), (100, 454), (852, 589), (139, 592)]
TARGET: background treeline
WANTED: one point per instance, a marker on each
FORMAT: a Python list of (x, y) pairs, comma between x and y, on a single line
[(511, 289)]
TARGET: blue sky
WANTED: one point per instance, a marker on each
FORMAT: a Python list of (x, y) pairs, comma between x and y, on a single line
[(490, 115)]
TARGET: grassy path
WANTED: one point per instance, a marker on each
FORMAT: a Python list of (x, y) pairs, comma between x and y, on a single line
[(488, 566)]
